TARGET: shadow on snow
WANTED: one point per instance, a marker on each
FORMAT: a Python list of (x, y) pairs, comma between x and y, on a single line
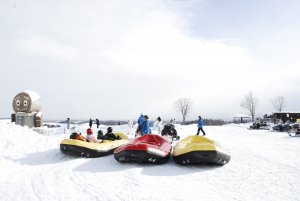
[(109, 164)]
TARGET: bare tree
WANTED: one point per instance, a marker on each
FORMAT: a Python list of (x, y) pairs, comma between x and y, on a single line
[(278, 103), (250, 103), (184, 106)]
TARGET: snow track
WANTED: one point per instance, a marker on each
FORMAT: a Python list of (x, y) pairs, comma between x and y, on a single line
[(264, 166)]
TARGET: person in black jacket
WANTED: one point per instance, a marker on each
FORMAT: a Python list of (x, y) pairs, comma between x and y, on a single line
[(110, 135), (98, 123), (91, 123), (68, 123), (100, 134)]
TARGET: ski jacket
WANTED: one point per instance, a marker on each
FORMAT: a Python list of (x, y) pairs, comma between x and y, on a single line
[(159, 127), (79, 137), (110, 136), (145, 127), (91, 138), (141, 120), (200, 123)]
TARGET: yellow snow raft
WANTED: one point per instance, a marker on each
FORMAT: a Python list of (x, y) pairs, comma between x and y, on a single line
[(198, 150), (90, 149)]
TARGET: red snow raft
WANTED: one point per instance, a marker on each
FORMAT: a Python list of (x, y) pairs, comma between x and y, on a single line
[(147, 149)]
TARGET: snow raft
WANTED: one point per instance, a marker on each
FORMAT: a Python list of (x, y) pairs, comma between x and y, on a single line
[(148, 149), (76, 147), (198, 150)]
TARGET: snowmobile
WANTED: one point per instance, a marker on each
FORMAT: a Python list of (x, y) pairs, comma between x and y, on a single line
[(282, 127), (169, 132), (260, 126), (294, 131)]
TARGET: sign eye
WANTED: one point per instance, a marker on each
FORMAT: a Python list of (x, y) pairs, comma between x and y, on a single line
[(25, 103), (18, 103)]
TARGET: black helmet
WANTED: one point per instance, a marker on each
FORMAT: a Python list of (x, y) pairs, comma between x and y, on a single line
[(100, 132), (109, 130)]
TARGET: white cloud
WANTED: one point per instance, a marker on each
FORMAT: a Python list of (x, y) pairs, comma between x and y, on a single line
[(119, 58), (45, 46), (162, 47)]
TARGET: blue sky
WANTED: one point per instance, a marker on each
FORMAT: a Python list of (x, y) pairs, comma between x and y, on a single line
[(113, 60)]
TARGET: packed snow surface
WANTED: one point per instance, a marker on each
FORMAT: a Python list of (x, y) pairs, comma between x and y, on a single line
[(264, 165)]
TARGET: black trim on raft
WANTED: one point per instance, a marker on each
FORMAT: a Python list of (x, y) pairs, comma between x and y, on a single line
[(202, 157), (140, 157), (74, 150)]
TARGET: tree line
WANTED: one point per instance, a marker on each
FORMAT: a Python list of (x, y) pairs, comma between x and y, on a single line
[(184, 107), (249, 103)]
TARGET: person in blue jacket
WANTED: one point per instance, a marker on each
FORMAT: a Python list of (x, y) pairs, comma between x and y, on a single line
[(200, 126), (145, 129), (140, 123), (141, 120)]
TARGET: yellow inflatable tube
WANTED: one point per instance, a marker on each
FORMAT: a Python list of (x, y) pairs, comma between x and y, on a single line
[(91, 149), (198, 149)]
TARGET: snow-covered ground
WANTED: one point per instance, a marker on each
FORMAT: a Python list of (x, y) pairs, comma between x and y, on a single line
[(264, 165)]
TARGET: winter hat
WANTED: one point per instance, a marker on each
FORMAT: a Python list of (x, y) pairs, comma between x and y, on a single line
[(89, 131)]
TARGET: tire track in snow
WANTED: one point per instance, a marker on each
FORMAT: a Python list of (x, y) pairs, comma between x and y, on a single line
[(83, 184), (34, 182)]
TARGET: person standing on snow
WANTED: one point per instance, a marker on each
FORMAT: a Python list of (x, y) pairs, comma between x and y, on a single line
[(140, 122), (130, 123), (98, 123), (159, 125), (68, 123), (129, 126), (200, 126), (91, 123), (145, 128)]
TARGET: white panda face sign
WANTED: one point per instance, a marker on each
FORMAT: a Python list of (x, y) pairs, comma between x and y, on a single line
[(22, 103)]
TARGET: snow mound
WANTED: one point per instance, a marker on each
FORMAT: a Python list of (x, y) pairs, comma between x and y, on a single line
[(17, 139)]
